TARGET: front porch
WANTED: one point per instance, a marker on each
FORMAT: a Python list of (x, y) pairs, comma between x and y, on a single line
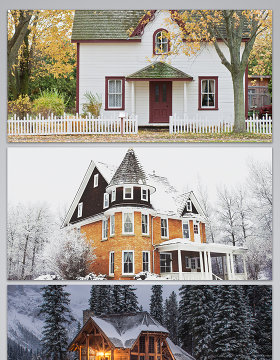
[(186, 260)]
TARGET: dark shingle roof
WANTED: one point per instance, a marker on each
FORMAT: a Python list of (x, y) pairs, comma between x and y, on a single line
[(104, 24), (159, 70), (129, 172)]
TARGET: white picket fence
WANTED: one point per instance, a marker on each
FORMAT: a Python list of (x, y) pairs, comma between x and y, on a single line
[(204, 125), (77, 125)]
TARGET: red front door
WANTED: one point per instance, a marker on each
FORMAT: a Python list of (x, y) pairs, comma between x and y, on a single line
[(160, 101)]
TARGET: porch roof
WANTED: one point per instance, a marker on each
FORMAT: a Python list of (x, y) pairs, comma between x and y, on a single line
[(159, 71), (185, 245)]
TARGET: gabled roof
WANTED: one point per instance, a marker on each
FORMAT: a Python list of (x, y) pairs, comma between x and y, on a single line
[(159, 70), (105, 24), (115, 24), (122, 330), (130, 171), (178, 353)]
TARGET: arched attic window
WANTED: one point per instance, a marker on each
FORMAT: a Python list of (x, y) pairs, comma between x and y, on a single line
[(161, 43)]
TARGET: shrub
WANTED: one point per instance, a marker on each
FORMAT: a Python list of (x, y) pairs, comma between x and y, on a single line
[(50, 102), (20, 107), (93, 104)]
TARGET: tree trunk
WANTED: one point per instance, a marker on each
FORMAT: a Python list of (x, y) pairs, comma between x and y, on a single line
[(239, 104), (24, 257)]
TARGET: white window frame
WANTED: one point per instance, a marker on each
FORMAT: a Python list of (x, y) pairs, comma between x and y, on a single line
[(80, 210), (196, 233), (115, 93), (123, 252), (188, 262), (112, 230), (167, 228), (184, 221), (105, 200), (207, 93), (160, 42), (170, 254), (142, 194), (113, 195), (128, 233), (104, 229), (128, 187), (110, 263), (95, 180), (149, 264), (189, 205), (148, 224)]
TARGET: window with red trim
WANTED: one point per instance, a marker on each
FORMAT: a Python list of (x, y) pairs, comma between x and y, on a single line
[(114, 93), (208, 93), (161, 42)]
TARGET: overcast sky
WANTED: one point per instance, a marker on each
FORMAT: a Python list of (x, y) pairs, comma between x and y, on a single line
[(53, 174)]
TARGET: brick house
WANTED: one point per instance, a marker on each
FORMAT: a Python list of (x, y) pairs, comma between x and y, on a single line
[(138, 222), (135, 72), (133, 336)]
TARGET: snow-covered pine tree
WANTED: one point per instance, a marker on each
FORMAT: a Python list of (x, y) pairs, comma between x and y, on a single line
[(170, 316), (260, 301), (232, 326), (124, 299), (156, 303), (93, 300), (56, 311), (104, 299), (195, 313)]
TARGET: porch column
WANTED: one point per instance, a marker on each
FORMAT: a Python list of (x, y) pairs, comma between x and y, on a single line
[(210, 265), (185, 97), (228, 267), (206, 266), (132, 98), (232, 266), (180, 265), (244, 267), (87, 345), (201, 265), (80, 352)]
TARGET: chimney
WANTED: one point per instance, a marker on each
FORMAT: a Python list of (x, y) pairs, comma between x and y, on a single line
[(86, 315)]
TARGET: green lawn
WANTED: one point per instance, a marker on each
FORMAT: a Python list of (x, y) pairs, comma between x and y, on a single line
[(147, 135)]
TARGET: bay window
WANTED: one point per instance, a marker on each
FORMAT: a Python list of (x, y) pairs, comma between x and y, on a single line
[(128, 222), (128, 262)]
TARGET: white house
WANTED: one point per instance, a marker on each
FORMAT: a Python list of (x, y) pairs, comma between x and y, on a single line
[(130, 73)]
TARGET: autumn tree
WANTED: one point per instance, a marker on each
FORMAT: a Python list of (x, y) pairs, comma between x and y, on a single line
[(45, 57)]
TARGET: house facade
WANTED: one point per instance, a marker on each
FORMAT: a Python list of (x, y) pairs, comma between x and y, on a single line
[(139, 223), (125, 57), (133, 336)]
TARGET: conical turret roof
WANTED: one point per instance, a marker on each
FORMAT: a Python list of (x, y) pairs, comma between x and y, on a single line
[(130, 171)]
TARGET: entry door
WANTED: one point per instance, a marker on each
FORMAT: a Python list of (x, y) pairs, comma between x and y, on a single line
[(160, 101)]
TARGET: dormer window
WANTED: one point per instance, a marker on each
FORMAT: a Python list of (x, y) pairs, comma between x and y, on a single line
[(189, 205), (161, 42), (106, 201), (144, 194), (128, 192), (95, 180), (80, 210)]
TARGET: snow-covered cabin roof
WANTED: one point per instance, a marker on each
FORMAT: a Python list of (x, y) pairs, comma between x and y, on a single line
[(178, 353), (124, 329), (130, 171)]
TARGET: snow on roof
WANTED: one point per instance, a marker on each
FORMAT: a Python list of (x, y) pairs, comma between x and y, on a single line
[(178, 352), (107, 170), (166, 200), (124, 329)]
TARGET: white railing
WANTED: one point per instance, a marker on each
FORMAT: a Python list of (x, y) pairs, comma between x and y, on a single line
[(259, 126), (203, 125), (184, 275), (69, 125)]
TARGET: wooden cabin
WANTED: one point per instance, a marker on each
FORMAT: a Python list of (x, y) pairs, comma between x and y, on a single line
[(132, 336)]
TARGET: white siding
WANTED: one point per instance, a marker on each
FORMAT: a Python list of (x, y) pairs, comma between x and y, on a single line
[(98, 60)]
